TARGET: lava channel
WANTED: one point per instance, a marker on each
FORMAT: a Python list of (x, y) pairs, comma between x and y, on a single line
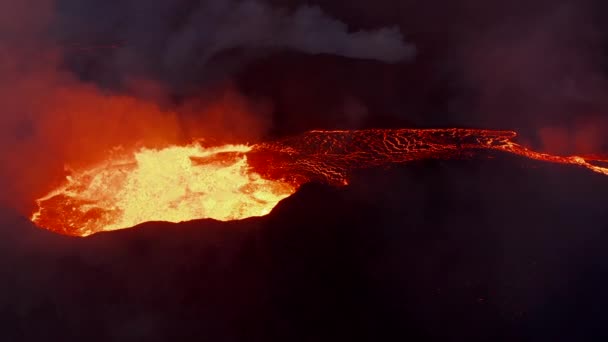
[(232, 182)]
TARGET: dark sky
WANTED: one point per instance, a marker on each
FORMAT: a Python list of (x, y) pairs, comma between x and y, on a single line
[(477, 250)]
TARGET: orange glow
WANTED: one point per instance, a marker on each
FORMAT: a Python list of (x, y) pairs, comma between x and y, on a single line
[(231, 182), (172, 184)]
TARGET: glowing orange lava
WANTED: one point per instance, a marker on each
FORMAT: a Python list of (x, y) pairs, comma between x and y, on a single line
[(181, 183), (174, 184)]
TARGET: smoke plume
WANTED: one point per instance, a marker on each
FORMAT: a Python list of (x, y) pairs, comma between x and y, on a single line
[(59, 113), (192, 41)]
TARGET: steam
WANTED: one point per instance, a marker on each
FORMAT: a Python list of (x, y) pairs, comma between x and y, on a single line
[(251, 24), (175, 41)]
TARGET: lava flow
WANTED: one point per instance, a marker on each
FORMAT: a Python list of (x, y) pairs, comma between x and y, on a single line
[(181, 183)]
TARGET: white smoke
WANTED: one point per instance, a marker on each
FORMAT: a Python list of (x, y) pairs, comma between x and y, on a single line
[(177, 38), (252, 24)]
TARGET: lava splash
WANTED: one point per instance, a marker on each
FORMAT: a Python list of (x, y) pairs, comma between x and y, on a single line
[(231, 182)]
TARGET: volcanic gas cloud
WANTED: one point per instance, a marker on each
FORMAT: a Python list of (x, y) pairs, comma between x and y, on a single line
[(231, 182)]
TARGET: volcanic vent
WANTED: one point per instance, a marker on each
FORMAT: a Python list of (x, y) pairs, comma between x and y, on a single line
[(231, 182)]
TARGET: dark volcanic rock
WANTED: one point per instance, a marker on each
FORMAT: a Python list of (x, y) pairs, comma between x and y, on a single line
[(491, 250)]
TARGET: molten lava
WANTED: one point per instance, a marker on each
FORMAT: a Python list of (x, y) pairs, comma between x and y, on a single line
[(181, 183), (173, 184)]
